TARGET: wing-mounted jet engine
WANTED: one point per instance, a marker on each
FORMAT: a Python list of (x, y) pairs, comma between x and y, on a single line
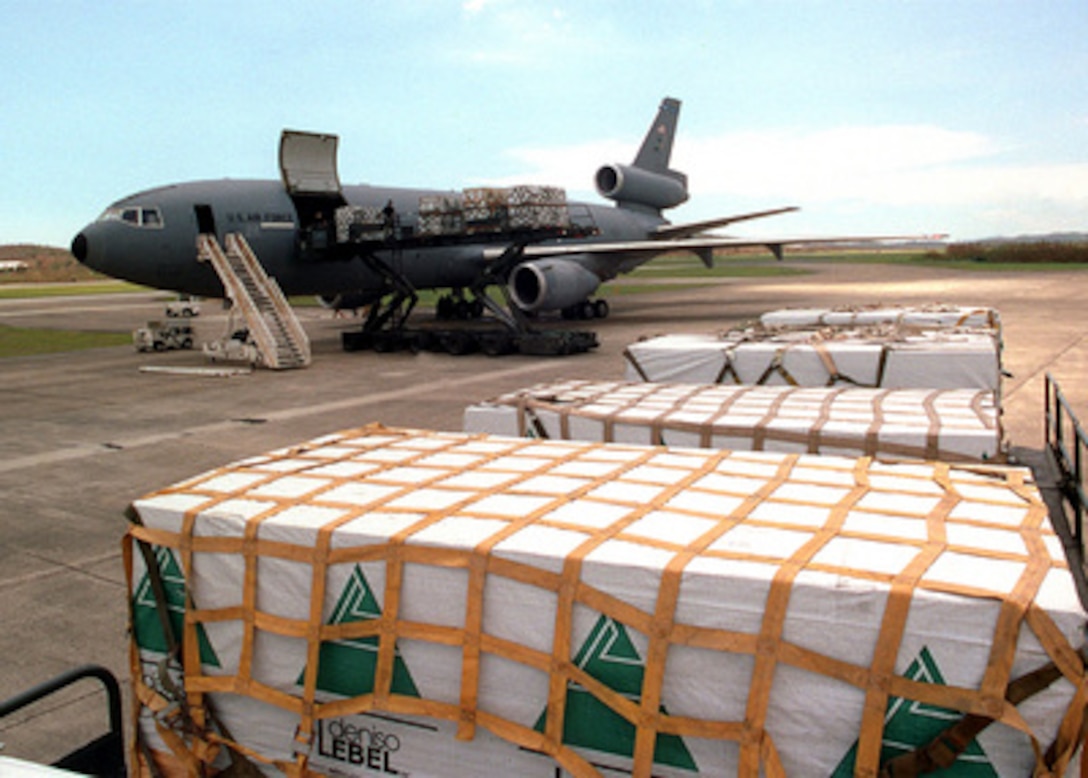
[(551, 284)]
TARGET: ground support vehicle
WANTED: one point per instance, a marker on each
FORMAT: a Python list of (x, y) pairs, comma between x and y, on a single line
[(157, 336), (182, 308), (491, 339), (238, 347)]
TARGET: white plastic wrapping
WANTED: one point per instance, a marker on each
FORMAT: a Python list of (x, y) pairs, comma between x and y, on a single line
[(401, 602), (960, 359), (948, 424)]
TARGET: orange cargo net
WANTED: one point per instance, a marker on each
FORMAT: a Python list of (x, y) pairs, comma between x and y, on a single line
[(410, 466)]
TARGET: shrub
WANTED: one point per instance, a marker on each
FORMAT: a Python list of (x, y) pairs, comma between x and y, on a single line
[(1027, 252)]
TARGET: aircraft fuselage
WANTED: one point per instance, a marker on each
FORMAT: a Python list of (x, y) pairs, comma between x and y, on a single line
[(150, 239)]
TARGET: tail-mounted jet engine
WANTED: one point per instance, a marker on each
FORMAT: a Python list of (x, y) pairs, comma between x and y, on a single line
[(627, 184), (551, 284)]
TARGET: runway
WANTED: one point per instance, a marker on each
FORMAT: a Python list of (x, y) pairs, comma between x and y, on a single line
[(85, 433)]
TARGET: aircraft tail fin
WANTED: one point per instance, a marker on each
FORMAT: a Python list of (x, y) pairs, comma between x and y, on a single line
[(648, 184), (656, 148)]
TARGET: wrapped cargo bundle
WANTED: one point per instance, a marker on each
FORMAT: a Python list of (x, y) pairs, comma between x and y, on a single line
[(869, 357), (441, 215), (953, 425), (388, 601), (486, 209), (356, 223), (933, 316), (538, 208)]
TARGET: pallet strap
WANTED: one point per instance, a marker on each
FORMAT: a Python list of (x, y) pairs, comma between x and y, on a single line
[(945, 749)]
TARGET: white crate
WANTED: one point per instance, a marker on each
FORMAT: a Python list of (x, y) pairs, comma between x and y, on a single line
[(933, 316), (750, 611), (958, 425), (935, 359)]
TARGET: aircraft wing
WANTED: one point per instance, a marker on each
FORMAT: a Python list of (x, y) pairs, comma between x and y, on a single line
[(689, 229), (704, 246)]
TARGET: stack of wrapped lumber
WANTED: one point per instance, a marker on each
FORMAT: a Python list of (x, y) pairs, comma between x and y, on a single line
[(879, 355), (955, 425), (384, 601), (928, 317)]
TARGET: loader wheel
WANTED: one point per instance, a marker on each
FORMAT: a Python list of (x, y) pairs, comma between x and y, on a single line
[(458, 343)]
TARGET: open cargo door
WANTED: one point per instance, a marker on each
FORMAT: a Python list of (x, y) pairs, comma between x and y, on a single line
[(308, 168)]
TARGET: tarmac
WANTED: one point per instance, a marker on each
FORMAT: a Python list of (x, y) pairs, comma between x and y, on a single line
[(83, 434)]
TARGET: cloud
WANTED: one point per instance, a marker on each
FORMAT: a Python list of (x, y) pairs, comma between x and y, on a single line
[(501, 33), (966, 178)]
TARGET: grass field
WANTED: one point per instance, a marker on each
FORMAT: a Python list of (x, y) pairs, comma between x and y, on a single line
[(22, 342), (9, 292)]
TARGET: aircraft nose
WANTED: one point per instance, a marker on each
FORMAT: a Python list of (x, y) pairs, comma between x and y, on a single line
[(80, 247)]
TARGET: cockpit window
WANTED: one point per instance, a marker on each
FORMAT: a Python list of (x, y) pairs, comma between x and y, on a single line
[(147, 217)]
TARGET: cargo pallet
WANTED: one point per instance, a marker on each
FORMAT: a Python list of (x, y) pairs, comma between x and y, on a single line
[(493, 341)]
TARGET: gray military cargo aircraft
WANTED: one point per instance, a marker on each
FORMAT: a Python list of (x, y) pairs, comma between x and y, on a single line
[(385, 244)]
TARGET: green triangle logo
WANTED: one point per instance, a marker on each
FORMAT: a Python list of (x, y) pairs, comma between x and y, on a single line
[(909, 724), (347, 667), (609, 656), (146, 624)]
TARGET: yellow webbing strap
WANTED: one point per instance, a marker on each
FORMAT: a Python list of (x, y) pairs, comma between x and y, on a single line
[(872, 435), (941, 752), (728, 368), (933, 431), (529, 420), (714, 422), (893, 625), (774, 616), (777, 366), (663, 625), (171, 718), (759, 433)]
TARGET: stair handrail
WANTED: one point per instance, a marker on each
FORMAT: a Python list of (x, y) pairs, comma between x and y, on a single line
[(236, 242)]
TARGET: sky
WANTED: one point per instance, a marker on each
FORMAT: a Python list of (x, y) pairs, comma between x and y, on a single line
[(965, 117)]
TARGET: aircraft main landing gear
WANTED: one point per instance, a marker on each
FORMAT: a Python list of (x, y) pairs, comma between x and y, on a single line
[(456, 306), (587, 309), (386, 328)]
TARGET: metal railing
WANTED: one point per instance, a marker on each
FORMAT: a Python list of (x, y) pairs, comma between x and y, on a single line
[(104, 756), (1068, 445)]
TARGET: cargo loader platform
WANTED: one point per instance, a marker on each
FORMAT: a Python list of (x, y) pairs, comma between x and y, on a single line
[(494, 340)]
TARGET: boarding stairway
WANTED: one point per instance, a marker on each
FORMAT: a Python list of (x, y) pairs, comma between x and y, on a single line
[(280, 340)]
